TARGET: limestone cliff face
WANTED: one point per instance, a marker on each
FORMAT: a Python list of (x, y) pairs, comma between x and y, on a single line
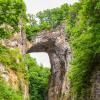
[(13, 80), (53, 42), (9, 76), (95, 90), (18, 40)]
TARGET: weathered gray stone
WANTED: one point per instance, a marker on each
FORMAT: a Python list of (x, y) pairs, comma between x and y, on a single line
[(53, 42), (18, 40), (95, 89)]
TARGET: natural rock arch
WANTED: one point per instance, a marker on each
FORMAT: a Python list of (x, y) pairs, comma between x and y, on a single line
[(53, 42)]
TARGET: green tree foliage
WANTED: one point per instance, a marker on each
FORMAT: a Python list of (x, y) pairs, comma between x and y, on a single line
[(53, 17), (12, 58), (7, 93), (83, 26), (32, 27), (47, 19), (11, 12), (38, 79)]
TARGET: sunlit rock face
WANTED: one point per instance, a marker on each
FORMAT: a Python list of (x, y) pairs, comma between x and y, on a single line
[(53, 42), (18, 40)]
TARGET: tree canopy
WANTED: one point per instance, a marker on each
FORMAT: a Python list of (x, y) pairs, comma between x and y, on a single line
[(47, 19), (38, 79), (11, 13), (83, 27)]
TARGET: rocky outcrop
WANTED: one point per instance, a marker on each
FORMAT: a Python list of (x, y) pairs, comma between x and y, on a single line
[(14, 81), (54, 43), (9, 76), (18, 40), (95, 90)]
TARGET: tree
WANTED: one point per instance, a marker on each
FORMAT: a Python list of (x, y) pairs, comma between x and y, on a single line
[(83, 27), (11, 11), (38, 79)]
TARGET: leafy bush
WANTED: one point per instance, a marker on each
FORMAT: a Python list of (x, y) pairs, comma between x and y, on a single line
[(11, 13), (38, 79), (7, 93), (12, 58), (83, 27)]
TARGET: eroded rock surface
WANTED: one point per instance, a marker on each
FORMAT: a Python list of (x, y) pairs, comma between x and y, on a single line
[(53, 42), (18, 40)]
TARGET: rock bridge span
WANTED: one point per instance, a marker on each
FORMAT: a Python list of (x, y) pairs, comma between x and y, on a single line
[(54, 43)]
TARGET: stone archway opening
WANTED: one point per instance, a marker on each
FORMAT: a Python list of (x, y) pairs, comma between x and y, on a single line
[(42, 58), (53, 42)]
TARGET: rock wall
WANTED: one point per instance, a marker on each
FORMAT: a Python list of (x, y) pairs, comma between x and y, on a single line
[(18, 40), (95, 90), (56, 44)]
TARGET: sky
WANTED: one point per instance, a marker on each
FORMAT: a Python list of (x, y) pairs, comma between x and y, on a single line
[(33, 7), (41, 58)]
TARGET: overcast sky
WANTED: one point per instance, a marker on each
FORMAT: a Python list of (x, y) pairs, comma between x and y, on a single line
[(41, 58), (34, 6)]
